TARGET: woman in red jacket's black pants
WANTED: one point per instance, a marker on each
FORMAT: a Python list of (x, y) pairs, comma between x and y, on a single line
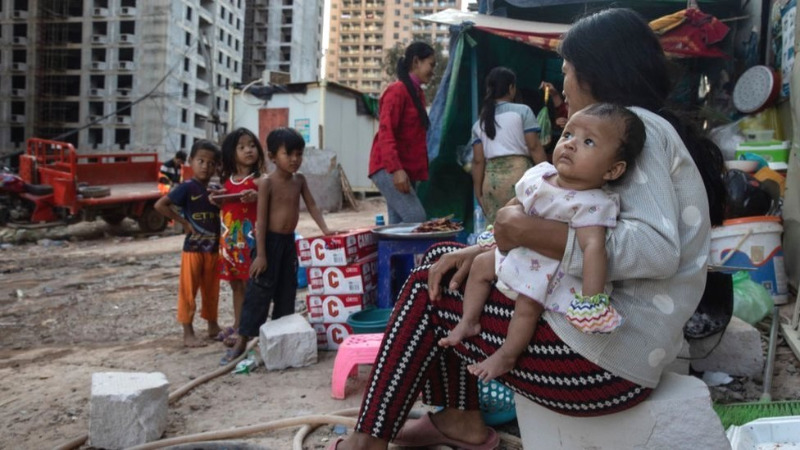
[(399, 155)]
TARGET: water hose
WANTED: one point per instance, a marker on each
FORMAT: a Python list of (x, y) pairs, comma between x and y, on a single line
[(316, 419), (175, 395)]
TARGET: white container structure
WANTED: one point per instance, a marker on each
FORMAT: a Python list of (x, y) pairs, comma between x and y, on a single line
[(328, 115)]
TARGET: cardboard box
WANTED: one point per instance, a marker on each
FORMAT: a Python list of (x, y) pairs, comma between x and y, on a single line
[(331, 335), (356, 278), (337, 308), (337, 250)]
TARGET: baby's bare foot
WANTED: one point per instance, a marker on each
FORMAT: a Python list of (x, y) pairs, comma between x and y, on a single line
[(192, 341), (461, 331), (492, 367)]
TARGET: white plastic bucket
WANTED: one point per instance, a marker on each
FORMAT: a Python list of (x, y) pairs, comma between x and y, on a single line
[(753, 242)]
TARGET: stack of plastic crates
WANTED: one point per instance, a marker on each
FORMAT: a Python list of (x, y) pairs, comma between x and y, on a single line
[(497, 403)]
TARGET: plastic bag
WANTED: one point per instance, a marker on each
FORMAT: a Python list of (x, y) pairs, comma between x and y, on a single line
[(751, 302)]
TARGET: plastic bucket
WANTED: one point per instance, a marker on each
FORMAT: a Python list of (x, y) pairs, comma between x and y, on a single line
[(372, 320), (755, 243)]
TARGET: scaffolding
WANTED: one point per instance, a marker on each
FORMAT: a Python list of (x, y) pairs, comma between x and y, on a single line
[(54, 112)]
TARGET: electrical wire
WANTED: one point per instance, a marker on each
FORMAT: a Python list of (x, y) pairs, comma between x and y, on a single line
[(244, 89), (137, 101)]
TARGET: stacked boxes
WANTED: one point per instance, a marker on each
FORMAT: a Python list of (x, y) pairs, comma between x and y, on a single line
[(342, 277)]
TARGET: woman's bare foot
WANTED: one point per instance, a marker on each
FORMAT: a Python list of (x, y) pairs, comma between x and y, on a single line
[(189, 339), (492, 367), (360, 441), (461, 331), (462, 425)]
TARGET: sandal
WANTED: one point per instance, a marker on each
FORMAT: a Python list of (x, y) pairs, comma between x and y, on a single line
[(230, 355), (423, 433), (225, 334), (335, 444), (231, 339)]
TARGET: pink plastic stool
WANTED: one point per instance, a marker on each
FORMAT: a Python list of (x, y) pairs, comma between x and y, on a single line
[(354, 350)]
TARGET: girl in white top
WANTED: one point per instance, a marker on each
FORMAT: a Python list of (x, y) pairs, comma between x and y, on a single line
[(505, 143), (597, 146)]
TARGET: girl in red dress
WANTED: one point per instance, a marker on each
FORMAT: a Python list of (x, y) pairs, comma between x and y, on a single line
[(242, 165)]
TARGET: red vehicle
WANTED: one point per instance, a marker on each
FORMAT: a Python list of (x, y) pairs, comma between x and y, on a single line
[(57, 185)]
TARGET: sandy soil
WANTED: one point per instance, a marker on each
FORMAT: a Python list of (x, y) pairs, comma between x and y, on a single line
[(70, 308), (103, 299)]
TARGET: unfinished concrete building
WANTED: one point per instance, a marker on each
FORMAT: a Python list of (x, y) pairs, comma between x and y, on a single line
[(361, 31), (113, 75), (283, 36)]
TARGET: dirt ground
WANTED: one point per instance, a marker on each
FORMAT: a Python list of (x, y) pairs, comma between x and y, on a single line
[(93, 298)]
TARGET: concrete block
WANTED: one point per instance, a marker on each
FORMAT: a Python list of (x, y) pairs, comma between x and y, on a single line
[(288, 342), (677, 415), (127, 408), (681, 363), (739, 353)]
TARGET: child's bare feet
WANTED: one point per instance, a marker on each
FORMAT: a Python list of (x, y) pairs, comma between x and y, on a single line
[(494, 366), (189, 339), (193, 341), (461, 331), (213, 329), (234, 352)]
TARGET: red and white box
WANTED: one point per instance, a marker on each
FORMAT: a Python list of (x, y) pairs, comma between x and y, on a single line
[(331, 335), (338, 249), (337, 308), (356, 278)]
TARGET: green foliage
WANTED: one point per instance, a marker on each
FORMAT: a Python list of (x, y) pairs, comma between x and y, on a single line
[(393, 55)]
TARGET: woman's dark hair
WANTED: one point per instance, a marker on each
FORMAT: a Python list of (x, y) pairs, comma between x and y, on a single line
[(498, 84), (229, 144), (616, 54), (419, 50)]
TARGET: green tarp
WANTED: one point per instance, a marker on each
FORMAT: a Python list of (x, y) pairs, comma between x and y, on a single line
[(449, 188)]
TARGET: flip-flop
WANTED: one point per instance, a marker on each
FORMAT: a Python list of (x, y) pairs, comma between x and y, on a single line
[(224, 334), (335, 444), (423, 433), (230, 355), (230, 340)]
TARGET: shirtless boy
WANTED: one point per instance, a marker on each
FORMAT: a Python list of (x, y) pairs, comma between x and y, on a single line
[(273, 272)]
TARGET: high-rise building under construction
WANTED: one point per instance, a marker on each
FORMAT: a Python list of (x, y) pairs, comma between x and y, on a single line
[(362, 31), (115, 75)]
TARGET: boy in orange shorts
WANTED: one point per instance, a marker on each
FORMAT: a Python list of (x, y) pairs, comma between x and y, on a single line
[(200, 220)]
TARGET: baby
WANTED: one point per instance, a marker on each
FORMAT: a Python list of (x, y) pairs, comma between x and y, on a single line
[(597, 146)]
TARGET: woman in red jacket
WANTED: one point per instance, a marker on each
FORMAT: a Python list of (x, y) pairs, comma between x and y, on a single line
[(399, 155)]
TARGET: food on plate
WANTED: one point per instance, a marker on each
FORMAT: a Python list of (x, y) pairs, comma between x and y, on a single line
[(434, 225)]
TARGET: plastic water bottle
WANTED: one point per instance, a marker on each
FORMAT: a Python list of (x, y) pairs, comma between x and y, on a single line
[(379, 220), (478, 224), (480, 220)]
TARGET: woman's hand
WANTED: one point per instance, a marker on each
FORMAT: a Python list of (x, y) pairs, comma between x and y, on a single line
[(509, 224), (514, 228), (401, 181), (460, 261)]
